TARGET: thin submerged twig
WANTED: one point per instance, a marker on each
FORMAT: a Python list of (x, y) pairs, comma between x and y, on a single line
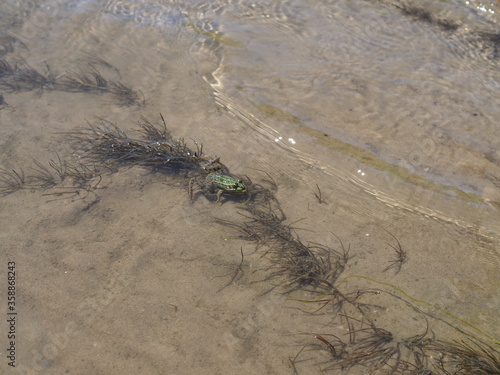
[(400, 258), (237, 274), (318, 195)]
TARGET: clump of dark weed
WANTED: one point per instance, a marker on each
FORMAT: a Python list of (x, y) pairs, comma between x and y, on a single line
[(469, 357), (371, 348), (22, 77), (159, 133), (400, 256), (294, 262), (11, 181), (91, 80), (106, 143), (52, 176)]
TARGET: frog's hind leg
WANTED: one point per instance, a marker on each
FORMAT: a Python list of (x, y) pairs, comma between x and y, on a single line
[(219, 194)]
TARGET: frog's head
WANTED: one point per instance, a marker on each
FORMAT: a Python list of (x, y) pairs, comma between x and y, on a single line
[(240, 186)]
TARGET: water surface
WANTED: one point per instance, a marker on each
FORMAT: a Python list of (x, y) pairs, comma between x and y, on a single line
[(391, 108)]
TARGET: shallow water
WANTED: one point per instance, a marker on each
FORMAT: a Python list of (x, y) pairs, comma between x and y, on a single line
[(391, 108)]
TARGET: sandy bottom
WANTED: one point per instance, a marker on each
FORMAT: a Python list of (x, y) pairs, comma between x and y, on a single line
[(130, 277)]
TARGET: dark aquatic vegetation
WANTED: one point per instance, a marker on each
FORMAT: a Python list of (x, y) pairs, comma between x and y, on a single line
[(426, 16), (475, 42), (373, 349), (293, 261), (79, 178), (400, 256), (11, 181), (22, 77), (105, 142), (91, 80), (466, 357), (318, 195), (82, 176), (236, 275), (43, 177)]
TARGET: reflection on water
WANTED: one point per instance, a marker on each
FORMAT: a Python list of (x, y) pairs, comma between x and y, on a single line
[(388, 110)]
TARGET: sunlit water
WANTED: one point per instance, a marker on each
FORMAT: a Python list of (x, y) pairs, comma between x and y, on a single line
[(391, 108)]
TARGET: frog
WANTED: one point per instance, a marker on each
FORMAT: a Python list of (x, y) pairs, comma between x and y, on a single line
[(219, 183)]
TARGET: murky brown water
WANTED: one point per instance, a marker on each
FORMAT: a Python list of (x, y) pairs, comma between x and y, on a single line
[(390, 107)]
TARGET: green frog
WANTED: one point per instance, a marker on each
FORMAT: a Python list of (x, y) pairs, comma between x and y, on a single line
[(219, 183)]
